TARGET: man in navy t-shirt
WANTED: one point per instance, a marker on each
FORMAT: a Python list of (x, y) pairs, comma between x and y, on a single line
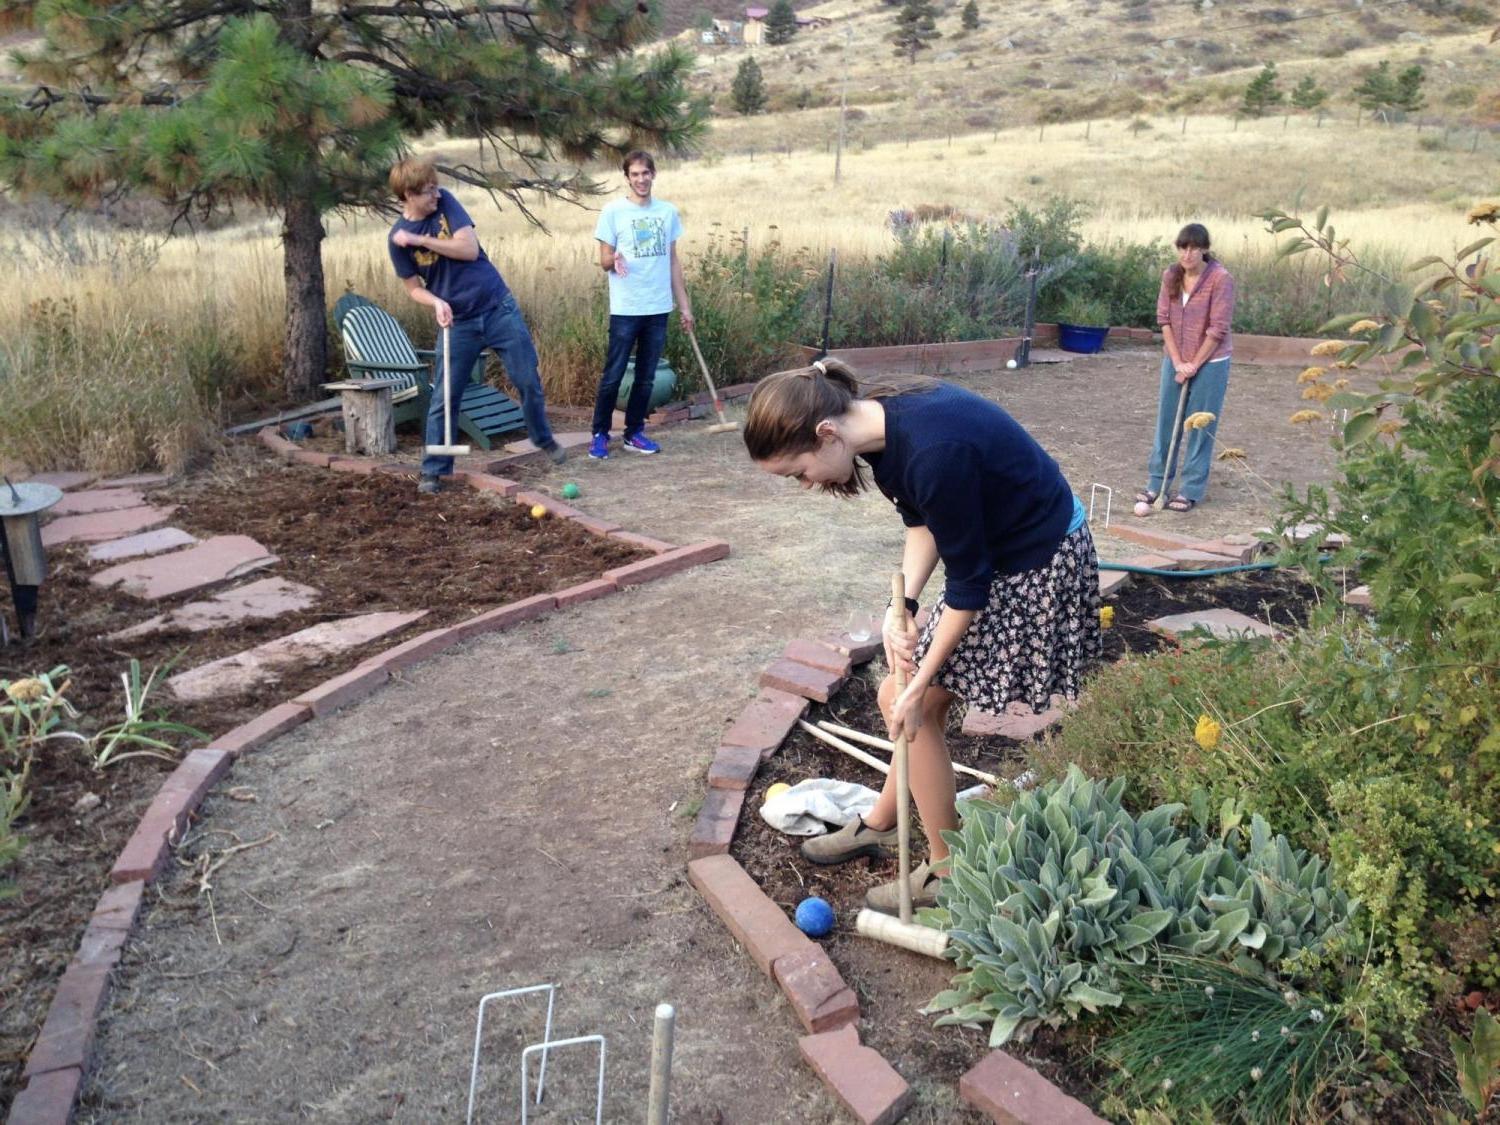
[(437, 255)]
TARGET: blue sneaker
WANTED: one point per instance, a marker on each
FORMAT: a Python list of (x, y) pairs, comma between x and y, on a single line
[(641, 444), (599, 447)]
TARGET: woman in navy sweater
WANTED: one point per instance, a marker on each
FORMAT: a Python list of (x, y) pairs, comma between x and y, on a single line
[(1018, 618)]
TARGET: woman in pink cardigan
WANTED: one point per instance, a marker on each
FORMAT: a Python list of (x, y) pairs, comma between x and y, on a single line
[(1194, 308)]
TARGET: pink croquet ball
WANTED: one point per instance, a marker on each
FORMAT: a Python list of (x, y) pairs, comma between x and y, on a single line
[(1142, 508)]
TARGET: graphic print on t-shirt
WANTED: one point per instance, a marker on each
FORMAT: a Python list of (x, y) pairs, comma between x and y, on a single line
[(649, 234), (425, 258)]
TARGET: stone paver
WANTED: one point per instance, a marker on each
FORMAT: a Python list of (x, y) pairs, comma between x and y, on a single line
[(64, 480), (270, 597), (232, 675), (138, 480), (1017, 721), (1191, 558), (94, 527), (214, 560), (1225, 624), (1111, 581), (1359, 596), (97, 500), (568, 439), (146, 543)]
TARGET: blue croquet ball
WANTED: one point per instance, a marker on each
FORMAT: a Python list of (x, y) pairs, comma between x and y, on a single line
[(299, 431), (814, 917), (570, 491)]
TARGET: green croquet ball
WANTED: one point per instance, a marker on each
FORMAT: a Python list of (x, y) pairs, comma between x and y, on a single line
[(570, 491)]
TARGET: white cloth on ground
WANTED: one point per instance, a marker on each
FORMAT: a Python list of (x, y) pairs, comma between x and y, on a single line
[(809, 807)]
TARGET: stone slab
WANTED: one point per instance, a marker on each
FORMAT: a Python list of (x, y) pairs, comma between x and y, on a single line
[(1014, 1094), (64, 479), (568, 439), (815, 654), (717, 819), (146, 543), (97, 500), (137, 480), (766, 721), (858, 1075), (1359, 596), (95, 527), (800, 679), (1192, 558), (815, 990), (1155, 539), (214, 560), (1155, 562), (756, 922), (1224, 624), (269, 597), (1112, 581), (1241, 548), (1017, 721), (264, 664), (859, 652)]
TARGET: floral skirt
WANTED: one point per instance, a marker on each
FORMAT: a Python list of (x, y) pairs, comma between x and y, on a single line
[(1034, 638)]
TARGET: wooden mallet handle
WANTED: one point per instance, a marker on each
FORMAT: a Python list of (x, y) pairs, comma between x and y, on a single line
[(899, 763)]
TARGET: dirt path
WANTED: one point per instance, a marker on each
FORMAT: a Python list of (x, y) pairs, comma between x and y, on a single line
[(516, 811)]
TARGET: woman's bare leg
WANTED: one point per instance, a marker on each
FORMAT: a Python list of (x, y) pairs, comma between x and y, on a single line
[(930, 769)]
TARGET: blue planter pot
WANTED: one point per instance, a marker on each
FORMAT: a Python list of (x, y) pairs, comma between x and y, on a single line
[(663, 387), (1081, 338)]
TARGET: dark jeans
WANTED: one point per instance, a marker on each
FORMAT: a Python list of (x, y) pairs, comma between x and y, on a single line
[(646, 336), (503, 329)]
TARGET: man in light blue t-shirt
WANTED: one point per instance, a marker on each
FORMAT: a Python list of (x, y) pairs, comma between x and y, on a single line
[(637, 239)]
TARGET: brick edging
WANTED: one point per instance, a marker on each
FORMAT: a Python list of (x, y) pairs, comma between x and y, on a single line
[(862, 1079), (60, 1056)]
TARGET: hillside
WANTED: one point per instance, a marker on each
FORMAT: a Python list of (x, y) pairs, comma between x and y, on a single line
[(1074, 60)]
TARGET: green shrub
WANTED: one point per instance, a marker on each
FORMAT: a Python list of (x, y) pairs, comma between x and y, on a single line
[(1049, 897)]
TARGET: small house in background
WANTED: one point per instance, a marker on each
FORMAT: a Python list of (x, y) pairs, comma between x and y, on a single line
[(729, 32), (755, 26)]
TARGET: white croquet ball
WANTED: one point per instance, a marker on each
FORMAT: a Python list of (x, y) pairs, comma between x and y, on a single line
[(1142, 508), (1010, 363)]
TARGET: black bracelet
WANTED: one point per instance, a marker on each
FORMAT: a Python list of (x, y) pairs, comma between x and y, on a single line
[(911, 605)]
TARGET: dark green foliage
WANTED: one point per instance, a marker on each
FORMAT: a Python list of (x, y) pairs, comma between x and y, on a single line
[(1263, 93), (1307, 94), (781, 23), (916, 23), (302, 109), (1409, 97), (969, 18), (748, 92), (1377, 90)]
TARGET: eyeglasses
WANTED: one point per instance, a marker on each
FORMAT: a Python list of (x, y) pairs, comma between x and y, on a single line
[(430, 189)]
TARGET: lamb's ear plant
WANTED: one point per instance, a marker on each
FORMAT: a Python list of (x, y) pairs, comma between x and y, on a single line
[(1478, 1061), (1050, 896)]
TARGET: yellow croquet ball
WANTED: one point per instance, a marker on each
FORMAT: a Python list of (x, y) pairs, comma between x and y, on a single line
[(538, 511), (777, 790)]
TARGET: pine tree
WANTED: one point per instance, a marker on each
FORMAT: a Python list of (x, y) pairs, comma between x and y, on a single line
[(916, 23), (1308, 95), (1408, 96), (1377, 91), (1262, 93), (970, 16), (748, 94), (301, 108), (781, 23)]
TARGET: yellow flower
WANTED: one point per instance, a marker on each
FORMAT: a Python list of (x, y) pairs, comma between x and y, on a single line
[(1311, 375), (1389, 427), (1486, 212), (1106, 616), (1340, 384), (1201, 420), (25, 691), (1364, 326), (1206, 732), (1329, 347), (1319, 392), (1231, 454)]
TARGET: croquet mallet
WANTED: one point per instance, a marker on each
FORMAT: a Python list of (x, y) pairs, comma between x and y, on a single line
[(724, 425), (1168, 469), (447, 449), (869, 923)]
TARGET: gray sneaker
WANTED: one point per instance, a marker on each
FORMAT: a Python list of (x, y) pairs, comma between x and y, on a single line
[(429, 485), (557, 453), (850, 842), (886, 898)]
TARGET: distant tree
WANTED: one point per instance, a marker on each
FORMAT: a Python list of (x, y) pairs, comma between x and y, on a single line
[(1308, 95), (748, 94), (1262, 93), (703, 20), (916, 23), (1377, 90), (301, 107), (970, 16), (1408, 97), (781, 23)]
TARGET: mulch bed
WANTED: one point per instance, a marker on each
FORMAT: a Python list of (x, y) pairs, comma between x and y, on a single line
[(892, 984), (367, 543)]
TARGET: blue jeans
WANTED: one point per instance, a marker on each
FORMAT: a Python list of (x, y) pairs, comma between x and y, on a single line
[(647, 337), (1205, 392), (503, 329)]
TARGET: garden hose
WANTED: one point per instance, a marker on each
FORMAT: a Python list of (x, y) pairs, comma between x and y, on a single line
[(1132, 568)]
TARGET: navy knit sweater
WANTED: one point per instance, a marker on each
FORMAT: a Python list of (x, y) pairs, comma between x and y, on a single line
[(993, 499)]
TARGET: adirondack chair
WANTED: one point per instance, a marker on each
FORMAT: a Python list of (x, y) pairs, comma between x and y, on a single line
[(376, 346)]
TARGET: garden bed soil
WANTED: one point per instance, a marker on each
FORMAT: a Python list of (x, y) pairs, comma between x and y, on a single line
[(366, 543)]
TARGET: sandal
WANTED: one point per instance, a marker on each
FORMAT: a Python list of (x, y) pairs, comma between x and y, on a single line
[(1180, 503), (1145, 496)]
